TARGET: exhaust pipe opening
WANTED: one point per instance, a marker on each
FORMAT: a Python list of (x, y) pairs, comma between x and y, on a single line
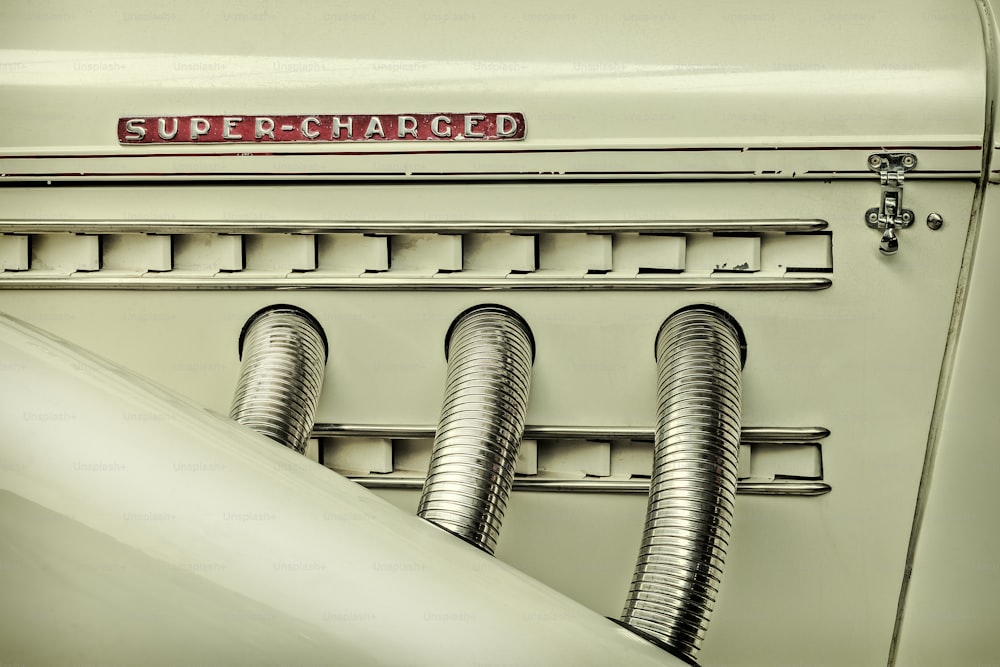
[(283, 351), (700, 351), (490, 351)]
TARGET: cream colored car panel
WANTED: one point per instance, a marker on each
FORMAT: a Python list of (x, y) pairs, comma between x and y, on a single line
[(951, 612), (644, 79), (140, 529), (816, 580), (741, 111)]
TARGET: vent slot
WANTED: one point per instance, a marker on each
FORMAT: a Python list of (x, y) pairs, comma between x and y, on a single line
[(573, 255), (280, 254), (499, 254), (796, 252), (351, 254), (136, 254), (634, 253), (425, 254), (63, 254), (767, 462), (15, 252), (717, 253), (207, 254)]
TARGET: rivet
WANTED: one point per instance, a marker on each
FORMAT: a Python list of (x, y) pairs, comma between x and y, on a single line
[(935, 221)]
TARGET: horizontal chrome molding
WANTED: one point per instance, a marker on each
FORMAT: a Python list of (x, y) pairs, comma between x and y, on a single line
[(749, 434), (104, 226), (388, 282), (599, 485), (787, 488)]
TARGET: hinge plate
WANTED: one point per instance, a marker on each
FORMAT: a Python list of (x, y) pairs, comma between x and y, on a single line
[(890, 214)]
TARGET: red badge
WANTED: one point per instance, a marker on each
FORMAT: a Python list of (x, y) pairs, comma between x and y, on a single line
[(321, 128)]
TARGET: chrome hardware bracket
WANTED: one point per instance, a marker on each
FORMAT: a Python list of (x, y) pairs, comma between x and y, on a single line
[(890, 215)]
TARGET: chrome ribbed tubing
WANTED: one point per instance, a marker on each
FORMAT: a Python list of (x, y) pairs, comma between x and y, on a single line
[(471, 470), (283, 354), (693, 485)]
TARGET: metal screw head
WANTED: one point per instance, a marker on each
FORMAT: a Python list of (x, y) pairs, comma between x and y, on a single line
[(934, 221), (909, 161), (874, 161), (907, 216), (873, 216)]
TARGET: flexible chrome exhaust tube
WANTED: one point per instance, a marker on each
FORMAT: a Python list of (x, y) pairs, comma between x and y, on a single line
[(283, 352), (490, 352), (699, 355)]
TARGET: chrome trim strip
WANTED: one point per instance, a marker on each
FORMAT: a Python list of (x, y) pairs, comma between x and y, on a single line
[(799, 488), (394, 283), (596, 485), (783, 434), (11, 226), (749, 434)]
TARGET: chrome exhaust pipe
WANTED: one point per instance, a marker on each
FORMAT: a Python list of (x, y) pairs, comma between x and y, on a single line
[(699, 356), (490, 352), (283, 352)]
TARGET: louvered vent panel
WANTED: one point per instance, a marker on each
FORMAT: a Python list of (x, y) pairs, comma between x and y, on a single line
[(621, 258), (772, 463)]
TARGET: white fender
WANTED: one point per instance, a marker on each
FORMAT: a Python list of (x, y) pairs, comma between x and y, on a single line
[(139, 529)]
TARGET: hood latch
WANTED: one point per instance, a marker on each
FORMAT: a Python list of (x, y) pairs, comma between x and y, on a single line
[(890, 215)]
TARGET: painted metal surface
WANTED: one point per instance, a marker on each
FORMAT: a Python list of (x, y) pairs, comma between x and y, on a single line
[(952, 605), (949, 591), (813, 580), (768, 90), (139, 528), (779, 92)]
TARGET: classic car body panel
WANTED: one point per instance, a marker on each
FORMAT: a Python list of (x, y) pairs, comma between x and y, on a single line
[(952, 606), (815, 358), (606, 90), (673, 155)]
